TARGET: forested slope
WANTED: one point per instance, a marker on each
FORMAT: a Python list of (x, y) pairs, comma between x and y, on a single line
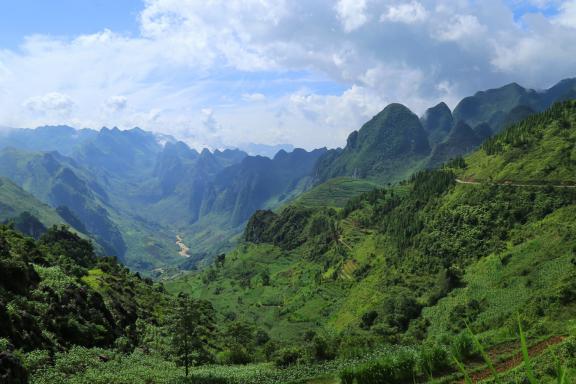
[(415, 263)]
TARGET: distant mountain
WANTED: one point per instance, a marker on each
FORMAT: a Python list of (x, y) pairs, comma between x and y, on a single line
[(128, 155), (461, 140), (438, 122), (58, 181), (15, 202), (135, 191), (266, 150), (498, 107), (259, 182), (386, 148), (60, 138)]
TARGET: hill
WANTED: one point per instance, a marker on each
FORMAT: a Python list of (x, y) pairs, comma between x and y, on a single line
[(15, 202), (335, 192), (414, 264)]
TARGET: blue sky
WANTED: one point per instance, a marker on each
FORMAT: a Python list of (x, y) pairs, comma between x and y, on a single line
[(65, 18), (227, 72)]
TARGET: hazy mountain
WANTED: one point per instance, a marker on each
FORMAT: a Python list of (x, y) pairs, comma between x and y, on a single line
[(438, 122), (494, 106), (58, 181), (61, 138), (461, 140), (266, 150)]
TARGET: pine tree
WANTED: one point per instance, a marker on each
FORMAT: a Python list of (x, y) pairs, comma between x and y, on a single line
[(193, 328)]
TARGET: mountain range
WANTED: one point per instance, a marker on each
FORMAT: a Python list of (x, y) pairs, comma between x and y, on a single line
[(134, 191), (424, 246)]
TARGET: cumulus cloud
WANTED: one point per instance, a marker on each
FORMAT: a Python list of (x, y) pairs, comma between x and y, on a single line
[(324, 66), (408, 13), (461, 27), (50, 103), (352, 13)]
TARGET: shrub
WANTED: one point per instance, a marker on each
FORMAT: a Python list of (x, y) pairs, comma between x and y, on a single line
[(368, 319), (462, 346), (236, 355), (287, 357), (391, 369), (323, 348), (36, 360), (434, 358)]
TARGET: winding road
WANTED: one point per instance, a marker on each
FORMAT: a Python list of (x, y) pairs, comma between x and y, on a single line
[(512, 184)]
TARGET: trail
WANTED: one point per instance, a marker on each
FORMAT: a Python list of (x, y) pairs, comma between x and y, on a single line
[(183, 247), (512, 184), (513, 361)]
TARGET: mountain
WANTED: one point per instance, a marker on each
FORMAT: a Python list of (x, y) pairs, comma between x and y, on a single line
[(398, 284), (438, 122), (129, 155), (259, 182), (254, 149), (57, 181), (388, 147), (135, 191), (495, 105), (461, 140), (62, 139), (211, 202), (473, 245), (381, 150), (17, 203)]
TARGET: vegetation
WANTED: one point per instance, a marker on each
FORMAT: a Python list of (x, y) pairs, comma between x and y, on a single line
[(428, 280), (411, 264)]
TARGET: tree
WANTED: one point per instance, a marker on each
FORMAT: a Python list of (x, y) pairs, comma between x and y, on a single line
[(194, 326)]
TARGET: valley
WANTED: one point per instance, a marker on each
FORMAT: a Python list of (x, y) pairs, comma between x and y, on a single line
[(288, 192), (336, 266)]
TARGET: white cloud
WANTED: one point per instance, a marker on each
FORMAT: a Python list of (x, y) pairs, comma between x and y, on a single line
[(50, 103), (408, 13), (254, 97), (209, 121), (324, 66), (352, 13), (461, 27), (567, 14)]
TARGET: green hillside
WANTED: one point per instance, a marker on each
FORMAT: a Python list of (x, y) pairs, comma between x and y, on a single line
[(335, 192), (414, 264), (539, 149), (14, 201)]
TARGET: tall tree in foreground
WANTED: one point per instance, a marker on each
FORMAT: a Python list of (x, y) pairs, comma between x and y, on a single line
[(194, 327)]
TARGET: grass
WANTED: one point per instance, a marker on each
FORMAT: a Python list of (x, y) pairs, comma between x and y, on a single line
[(335, 192), (94, 278)]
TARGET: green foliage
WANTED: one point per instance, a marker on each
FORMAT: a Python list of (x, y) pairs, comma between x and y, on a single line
[(288, 356), (193, 330)]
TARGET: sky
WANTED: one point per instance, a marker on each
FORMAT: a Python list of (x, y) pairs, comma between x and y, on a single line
[(222, 73)]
